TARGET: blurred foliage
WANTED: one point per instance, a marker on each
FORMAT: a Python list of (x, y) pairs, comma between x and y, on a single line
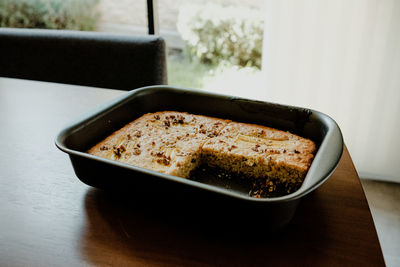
[(214, 34), (49, 14), (186, 73)]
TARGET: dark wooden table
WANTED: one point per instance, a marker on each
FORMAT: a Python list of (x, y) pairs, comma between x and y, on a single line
[(49, 218)]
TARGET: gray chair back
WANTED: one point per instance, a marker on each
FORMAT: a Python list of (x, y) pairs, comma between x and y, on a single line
[(84, 58)]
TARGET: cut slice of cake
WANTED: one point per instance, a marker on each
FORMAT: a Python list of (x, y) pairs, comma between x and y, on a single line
[(262, 153)]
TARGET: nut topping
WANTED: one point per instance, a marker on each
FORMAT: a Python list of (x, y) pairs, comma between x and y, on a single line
[(118, 151), (164, 161), (136, 151), (232, 147)]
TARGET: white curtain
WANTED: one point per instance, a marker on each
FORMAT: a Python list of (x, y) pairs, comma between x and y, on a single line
[(341, 57)]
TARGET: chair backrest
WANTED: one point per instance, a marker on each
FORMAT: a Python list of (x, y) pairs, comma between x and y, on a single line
[(84, 58)]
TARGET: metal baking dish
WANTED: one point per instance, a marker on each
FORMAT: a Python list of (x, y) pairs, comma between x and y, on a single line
[(210, 198)]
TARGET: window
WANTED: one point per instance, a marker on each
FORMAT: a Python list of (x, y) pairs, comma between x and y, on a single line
[(215, 45)]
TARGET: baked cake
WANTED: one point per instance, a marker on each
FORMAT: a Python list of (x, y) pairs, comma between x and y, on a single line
[(167, 142), (176, 143), (272, 156)]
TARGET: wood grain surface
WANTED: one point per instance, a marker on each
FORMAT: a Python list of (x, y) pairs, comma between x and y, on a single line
[(49, 218)]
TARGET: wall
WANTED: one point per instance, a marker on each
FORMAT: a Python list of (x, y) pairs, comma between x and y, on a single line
[(342, 58)]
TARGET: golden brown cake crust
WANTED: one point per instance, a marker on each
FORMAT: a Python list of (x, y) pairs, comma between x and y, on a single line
[(175, 143), (168, 141), (259, 151)]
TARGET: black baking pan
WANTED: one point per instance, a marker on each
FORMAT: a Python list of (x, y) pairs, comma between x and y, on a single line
[(208, 196)]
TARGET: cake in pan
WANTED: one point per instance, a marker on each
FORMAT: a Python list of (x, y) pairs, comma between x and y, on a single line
[(176, 143)]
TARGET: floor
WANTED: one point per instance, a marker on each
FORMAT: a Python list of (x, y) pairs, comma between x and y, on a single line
[(384, 201)]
